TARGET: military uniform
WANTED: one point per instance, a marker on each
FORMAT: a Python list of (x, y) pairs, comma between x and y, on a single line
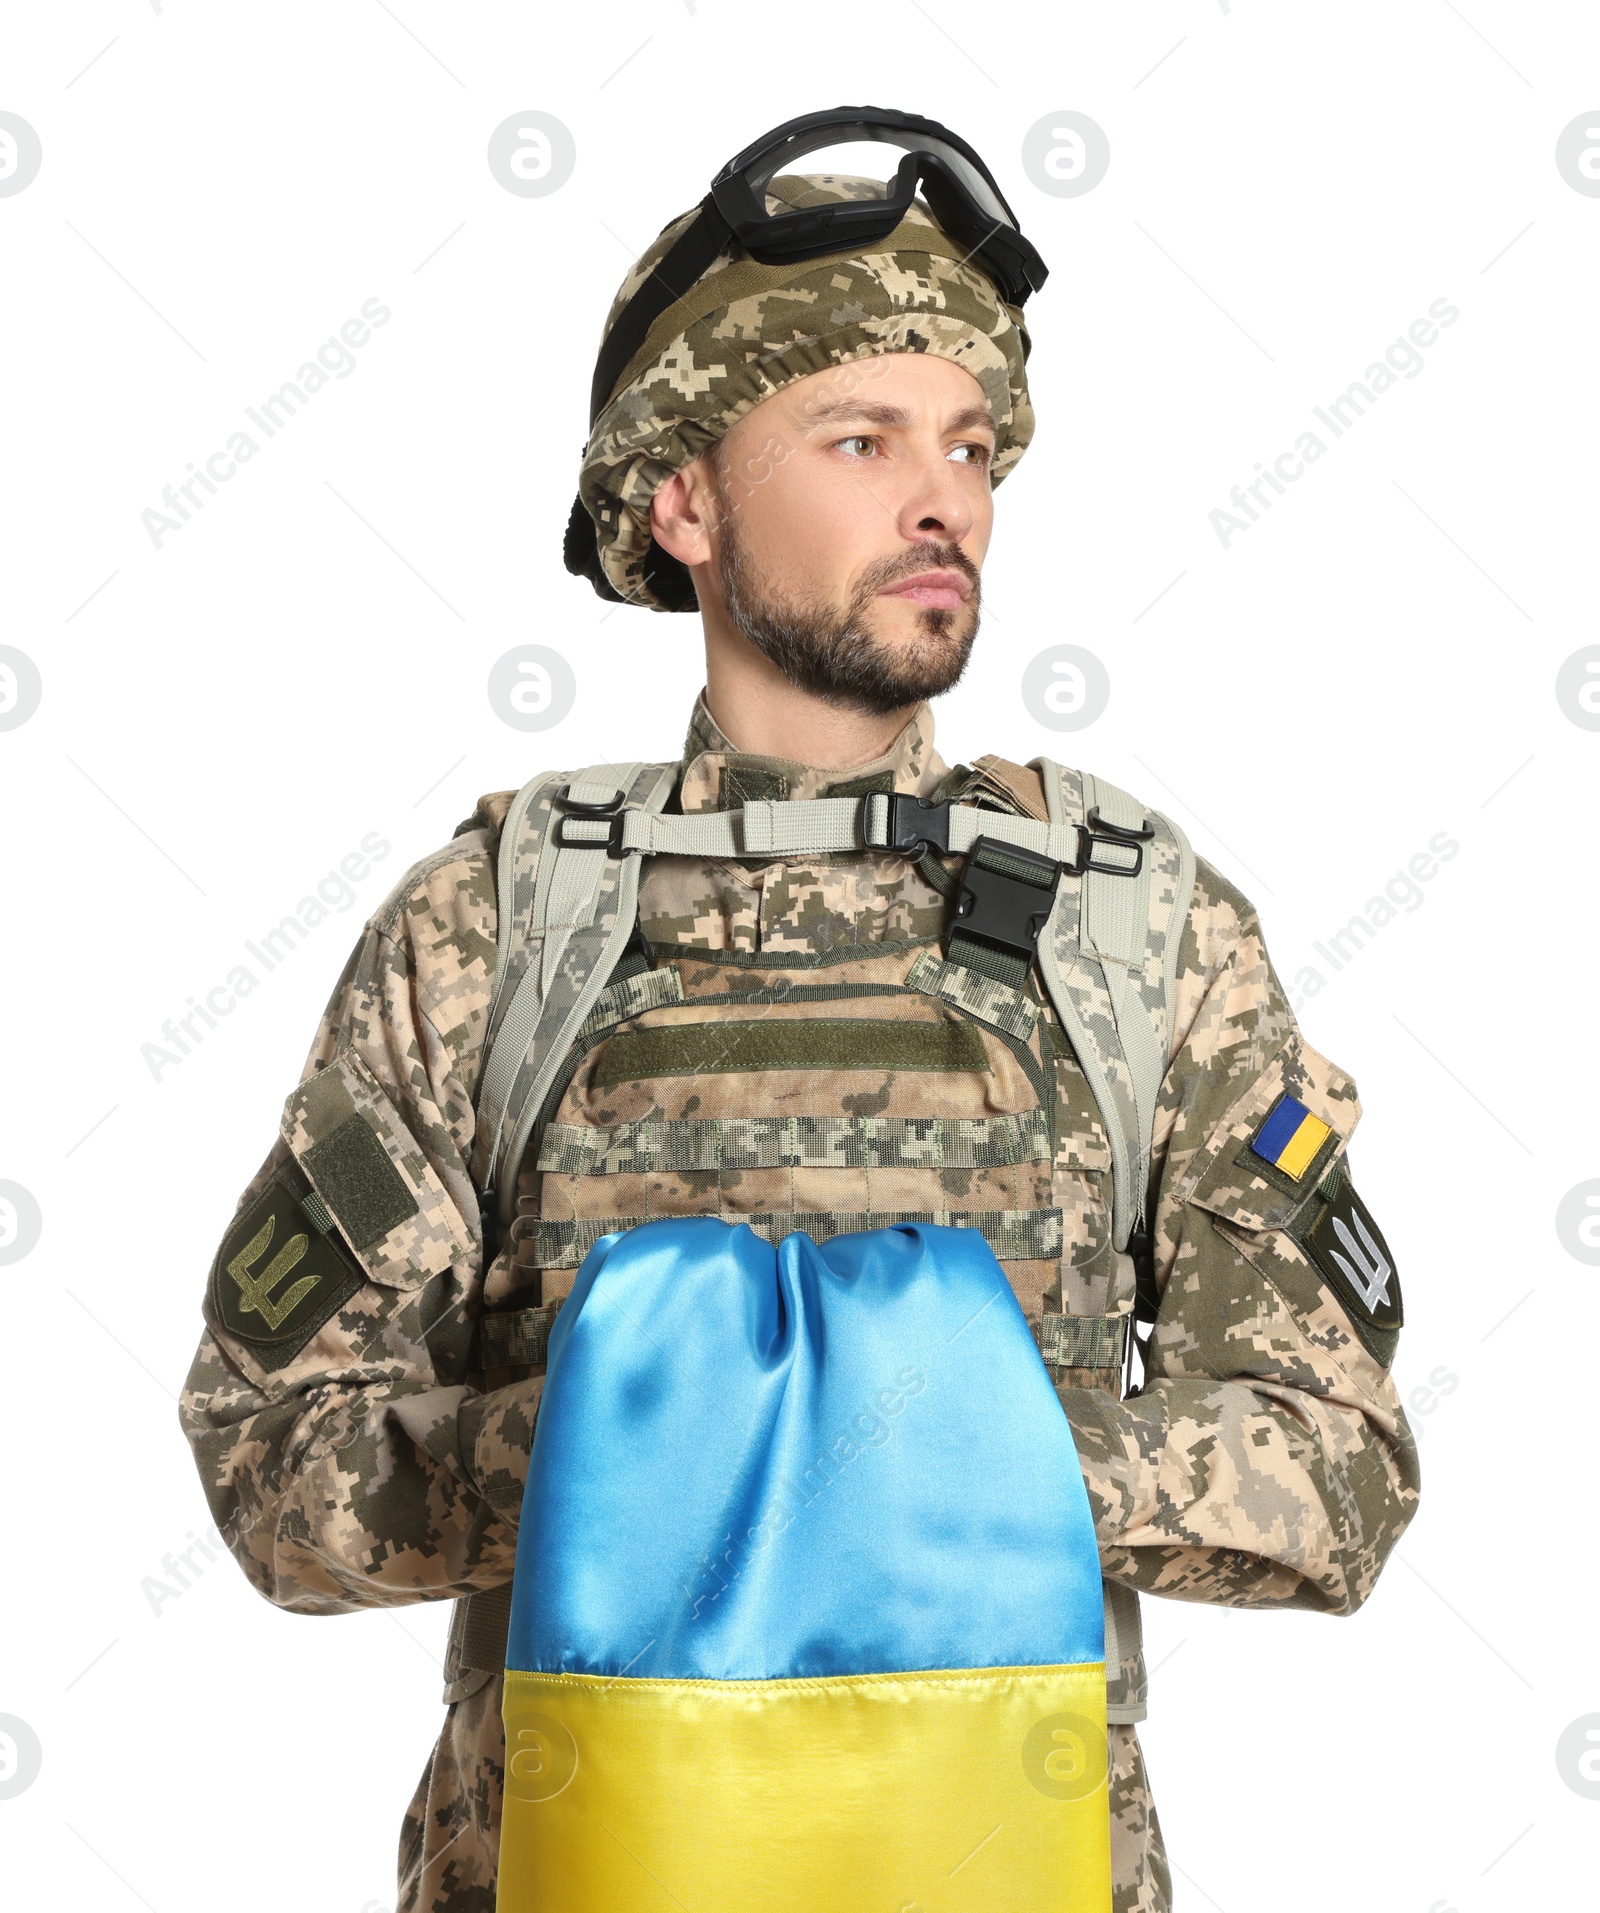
[(785, 1057)]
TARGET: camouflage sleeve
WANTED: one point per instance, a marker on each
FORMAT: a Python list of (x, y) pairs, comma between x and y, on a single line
[(1265, 1460), (346, 1460)]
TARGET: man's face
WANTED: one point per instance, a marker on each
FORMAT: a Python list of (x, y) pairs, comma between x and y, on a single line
[(853, 511)]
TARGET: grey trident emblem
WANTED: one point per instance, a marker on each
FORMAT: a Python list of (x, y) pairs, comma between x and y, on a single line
[(1370, 1275)]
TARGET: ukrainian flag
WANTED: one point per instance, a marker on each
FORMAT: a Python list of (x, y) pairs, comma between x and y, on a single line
[(1290, 1137), (807, 1611)]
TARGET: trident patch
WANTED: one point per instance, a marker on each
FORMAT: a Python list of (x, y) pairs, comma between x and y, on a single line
[(1341, 1237), (281, 1272), (256, 1289)]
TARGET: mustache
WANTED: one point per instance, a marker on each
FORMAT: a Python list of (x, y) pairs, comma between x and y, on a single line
[(929, 557)]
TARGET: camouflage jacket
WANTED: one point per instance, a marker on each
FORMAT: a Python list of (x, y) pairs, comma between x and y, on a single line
[(355, 1453)]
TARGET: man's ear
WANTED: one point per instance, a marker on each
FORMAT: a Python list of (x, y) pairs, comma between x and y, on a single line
[(683, 513)]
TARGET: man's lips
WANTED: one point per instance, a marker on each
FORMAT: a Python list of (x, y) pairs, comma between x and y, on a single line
[(944, 589)]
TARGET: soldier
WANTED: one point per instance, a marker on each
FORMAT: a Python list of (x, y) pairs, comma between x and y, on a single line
[(803, 447)]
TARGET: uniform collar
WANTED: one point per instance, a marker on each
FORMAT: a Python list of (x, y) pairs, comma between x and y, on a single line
[(718, 777)]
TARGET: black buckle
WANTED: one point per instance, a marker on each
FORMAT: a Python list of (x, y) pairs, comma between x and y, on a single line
[(1101, 830), (1003, 910), (916, 824), (570, 807)]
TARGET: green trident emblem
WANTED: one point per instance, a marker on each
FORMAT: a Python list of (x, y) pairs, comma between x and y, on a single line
[(255, 1291)]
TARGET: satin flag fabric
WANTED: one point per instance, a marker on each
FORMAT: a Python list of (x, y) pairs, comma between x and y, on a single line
[(807, 1609)]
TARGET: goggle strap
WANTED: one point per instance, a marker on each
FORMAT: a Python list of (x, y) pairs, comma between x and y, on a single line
[(671, 277)]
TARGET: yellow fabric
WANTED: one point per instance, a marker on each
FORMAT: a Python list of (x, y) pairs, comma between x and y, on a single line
[(948, 1791), (1302, 1146)]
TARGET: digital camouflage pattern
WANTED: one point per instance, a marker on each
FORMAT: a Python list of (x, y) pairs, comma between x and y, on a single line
[(1263, 1462), (744, 329)]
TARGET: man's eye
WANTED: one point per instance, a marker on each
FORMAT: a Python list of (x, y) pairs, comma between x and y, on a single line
[(858, 438), (985, 456)]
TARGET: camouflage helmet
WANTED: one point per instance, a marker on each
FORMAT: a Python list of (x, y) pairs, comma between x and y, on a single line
[(743, 330)]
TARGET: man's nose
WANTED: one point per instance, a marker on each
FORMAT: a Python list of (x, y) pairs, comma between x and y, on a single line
[(935, 499)]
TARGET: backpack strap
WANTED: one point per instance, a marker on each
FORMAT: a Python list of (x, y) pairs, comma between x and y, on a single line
[(568, 905), (1108, 956)]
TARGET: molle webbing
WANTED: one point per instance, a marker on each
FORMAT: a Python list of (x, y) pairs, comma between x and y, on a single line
[(1001, 1005), (515, 1338), (1081, 1341), (701, 1145), (520, 1338), (632, 996), (487, 1626), (1015, 1235), (479, 1628)]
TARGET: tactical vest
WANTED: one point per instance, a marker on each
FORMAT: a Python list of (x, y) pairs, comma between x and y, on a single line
[(1004, 1082)]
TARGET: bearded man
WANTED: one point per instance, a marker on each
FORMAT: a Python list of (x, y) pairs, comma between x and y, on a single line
[(897, 1013)]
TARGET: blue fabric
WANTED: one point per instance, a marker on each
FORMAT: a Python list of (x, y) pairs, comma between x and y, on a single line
[(756, 1462)]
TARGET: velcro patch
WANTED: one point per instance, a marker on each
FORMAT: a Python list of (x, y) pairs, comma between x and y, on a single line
[(1289, 1137), (358, 1181), (1342, 1239), (278, 1276), (751, 784), (800, 1043)]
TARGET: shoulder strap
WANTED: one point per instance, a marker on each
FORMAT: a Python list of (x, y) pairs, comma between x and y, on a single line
[(568, 901), (1109, 958)]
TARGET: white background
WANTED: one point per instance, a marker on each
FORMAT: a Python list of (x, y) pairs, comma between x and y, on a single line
[(225, 717)]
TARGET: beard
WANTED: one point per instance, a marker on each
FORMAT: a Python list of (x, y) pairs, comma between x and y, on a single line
[(832, 652)]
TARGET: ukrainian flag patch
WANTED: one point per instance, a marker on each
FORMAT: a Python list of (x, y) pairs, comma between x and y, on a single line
[(1289, 1137)]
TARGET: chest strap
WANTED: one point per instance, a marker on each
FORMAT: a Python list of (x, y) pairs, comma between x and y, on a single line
[(817, 826)]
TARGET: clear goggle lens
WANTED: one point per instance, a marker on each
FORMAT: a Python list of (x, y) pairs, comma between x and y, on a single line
[(863, 157)]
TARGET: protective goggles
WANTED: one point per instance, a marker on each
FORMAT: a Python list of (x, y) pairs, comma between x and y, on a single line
[(959, 189)]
